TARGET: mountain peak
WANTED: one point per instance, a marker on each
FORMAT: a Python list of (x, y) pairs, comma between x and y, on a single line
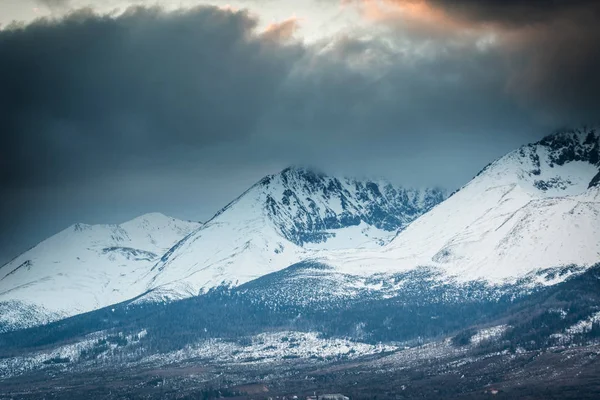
[(301, 170), (582, 144), (153, 218), (563, 163), (581, 135), (294, 173), (532, 209), (80, 227), (284, 218), (306, 204)]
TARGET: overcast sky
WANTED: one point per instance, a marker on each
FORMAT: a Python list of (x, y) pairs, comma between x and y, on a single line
[(110, 109)]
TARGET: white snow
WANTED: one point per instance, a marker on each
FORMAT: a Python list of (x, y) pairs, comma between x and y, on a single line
[(245, 241), (581, 327), (488, 334), (521, 214), (585, 325), (498, 227), (86, 267), (272, 347), (236, 246), (353, 237)]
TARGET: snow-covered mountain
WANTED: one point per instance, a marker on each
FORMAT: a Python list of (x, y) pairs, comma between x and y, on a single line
[(283, 219), (506, 267), (84, 267), (536, 208)]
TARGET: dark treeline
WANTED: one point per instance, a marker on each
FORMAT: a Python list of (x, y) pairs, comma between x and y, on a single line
[(419, 311)]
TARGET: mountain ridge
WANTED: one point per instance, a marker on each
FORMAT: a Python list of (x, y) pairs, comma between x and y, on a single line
[(282, 219), (500, 274), (531, 210), (120, 261)]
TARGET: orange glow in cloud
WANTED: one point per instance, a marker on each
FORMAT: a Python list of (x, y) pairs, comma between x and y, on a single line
[(284, 30), (380, 10), (415, 14), (228, 7)]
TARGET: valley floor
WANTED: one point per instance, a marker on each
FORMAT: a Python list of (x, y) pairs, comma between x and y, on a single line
[(435, 370)]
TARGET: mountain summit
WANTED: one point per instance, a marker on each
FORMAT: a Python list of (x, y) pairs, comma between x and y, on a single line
[(282, 219), (306, 204), (560, 164)]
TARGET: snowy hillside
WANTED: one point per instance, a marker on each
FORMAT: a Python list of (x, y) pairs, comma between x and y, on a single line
[(285, 218), (84, 267), (281, 220), (537, 207)]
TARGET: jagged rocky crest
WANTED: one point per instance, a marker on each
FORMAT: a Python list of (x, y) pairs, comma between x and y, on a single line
[(573, 145), (307, 204)]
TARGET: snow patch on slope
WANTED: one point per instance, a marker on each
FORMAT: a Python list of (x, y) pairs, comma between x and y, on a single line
[(273, 347)]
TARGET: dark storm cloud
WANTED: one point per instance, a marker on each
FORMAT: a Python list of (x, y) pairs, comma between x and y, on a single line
[(508, 12), (549, 53), (556, 66), (149, 87), (89, 90), (515, 12), (552, 46), (105, 117)]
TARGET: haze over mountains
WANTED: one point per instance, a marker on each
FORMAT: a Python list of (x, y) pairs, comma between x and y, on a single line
[(536, 208)]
